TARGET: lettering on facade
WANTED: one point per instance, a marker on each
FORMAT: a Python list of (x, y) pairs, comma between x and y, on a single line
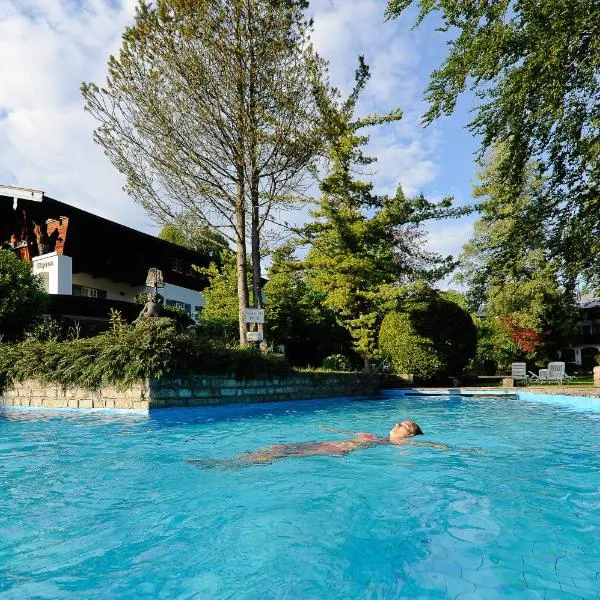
[(44, 265)]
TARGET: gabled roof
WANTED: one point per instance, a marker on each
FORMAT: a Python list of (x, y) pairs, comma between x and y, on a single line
[(104, 248)]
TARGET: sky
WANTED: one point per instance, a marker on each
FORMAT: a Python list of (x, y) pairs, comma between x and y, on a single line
[(48, 47)]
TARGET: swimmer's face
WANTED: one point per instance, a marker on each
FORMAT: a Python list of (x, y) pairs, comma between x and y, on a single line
[(403, 430)]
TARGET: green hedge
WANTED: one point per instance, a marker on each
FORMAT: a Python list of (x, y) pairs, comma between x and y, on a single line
[(433, 338), (151, 348)]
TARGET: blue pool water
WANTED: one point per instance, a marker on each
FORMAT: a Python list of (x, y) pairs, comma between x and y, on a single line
[(98, 505)]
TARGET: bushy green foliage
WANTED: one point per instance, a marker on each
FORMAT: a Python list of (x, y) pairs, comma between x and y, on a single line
[(46, 328), (219, 318), (509, 271), (533, 69), (336, 362), (409, 352), (432, 338), (22, 298), (117, 356), (198, 354), (364, 245), (296, 315), (151, 348), (495, 347)]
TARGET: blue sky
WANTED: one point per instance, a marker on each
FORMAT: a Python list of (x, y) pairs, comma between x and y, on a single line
[(48, 47)]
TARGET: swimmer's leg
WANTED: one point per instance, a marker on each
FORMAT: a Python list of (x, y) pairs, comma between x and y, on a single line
[(222, 464)]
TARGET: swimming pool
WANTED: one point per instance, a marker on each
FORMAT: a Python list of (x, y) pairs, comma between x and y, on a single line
[(104, 505)]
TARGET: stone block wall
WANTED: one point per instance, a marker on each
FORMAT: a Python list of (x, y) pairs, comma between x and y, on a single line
[(36, 393), (204, 390), (193, 390)]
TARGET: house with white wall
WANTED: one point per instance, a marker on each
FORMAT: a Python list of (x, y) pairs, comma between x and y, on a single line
[(95, 262)]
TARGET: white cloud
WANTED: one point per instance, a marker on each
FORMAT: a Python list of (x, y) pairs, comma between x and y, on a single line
[(48, 47), (344, 29)]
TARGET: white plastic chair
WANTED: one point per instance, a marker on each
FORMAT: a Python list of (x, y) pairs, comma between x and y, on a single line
[(541, 377), (556, 372), (518, 371)]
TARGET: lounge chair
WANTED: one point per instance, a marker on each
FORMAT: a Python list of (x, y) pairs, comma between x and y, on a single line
[(541, 377), (519, 372), (556, 372)]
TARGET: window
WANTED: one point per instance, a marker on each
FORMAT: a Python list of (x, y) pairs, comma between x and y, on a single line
[(88, 292), (177, 265), (181, 305)]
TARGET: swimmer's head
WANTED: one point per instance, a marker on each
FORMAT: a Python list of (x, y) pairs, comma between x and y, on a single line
[(404, 430)]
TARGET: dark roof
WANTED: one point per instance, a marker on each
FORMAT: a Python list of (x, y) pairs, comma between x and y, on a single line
[(107, 249)]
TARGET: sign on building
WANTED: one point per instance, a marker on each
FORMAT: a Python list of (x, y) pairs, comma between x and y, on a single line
[(255, 315)]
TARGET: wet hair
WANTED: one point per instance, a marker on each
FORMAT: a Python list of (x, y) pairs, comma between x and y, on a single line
[(416, 430)]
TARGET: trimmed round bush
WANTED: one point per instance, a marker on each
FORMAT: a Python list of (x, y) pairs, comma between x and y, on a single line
[(22, 297), (433, 338)]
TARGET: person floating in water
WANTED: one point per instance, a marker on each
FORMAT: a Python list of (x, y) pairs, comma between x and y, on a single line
[(400, 434)]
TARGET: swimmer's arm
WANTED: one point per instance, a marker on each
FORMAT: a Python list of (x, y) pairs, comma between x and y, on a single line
[(430, 444)]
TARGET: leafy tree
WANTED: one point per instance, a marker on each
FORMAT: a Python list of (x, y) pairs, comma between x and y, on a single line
[(534, 65), (209, 113), (297, 316), (207, 242), (364, 246), (508, 268), (496, 349), (432, 338), (22, 298), (219, 316)]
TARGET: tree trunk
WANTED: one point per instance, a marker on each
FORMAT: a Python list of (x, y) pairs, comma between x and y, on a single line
[(241, 263), (255, 239)]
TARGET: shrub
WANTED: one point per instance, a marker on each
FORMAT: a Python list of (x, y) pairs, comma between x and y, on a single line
[(336, 362), (150, 348), (433, 338), (22, 298)]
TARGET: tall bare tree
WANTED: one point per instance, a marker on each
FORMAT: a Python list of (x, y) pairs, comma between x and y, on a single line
[(208, 111)]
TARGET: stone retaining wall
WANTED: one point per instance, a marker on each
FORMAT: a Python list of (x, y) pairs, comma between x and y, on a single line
[(48, 395), (195, 390)]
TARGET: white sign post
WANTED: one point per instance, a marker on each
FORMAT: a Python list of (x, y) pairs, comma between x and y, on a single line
[(255, 315), (255, 336)]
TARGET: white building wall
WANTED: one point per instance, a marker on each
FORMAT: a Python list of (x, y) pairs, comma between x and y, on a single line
[(176, 293), (123, 291), (114, 290), (55, 271)]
